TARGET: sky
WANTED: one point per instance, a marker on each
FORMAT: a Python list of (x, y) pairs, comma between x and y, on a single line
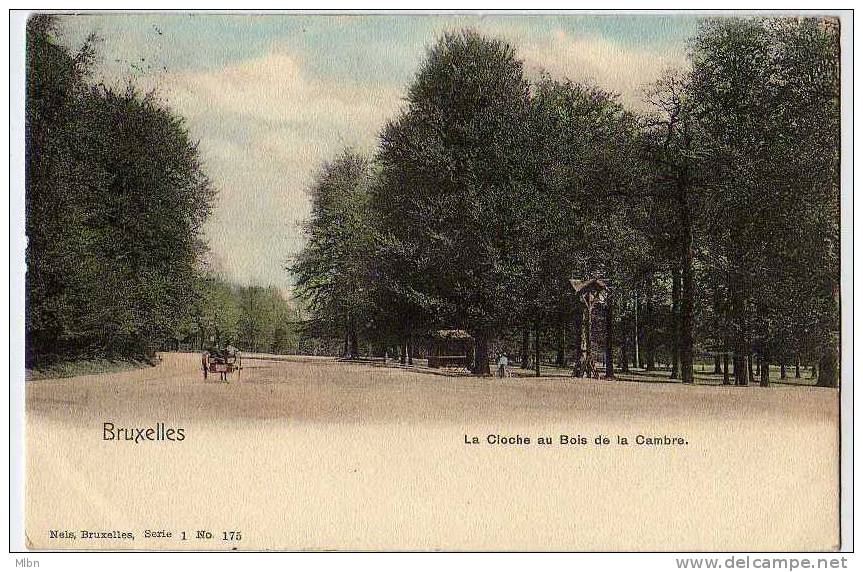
[(271, 97)]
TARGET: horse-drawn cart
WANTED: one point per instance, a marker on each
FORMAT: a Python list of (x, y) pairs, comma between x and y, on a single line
[(223, 363)]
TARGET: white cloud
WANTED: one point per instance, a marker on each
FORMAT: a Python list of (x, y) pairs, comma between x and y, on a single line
[(265, 126), (267, 123), (591, 58)]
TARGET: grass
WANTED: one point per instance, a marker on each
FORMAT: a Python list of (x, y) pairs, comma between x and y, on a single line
[(662, 374), (84, 367)]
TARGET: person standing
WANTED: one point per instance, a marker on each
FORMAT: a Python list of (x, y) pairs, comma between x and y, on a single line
[(502, 363)]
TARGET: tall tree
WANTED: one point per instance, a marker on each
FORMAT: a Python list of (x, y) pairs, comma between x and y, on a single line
[(336, 269), (116, 200), (454, 172), (674, 146), (766, 92)]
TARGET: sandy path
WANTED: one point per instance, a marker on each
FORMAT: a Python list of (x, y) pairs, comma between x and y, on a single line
[(314, 454)]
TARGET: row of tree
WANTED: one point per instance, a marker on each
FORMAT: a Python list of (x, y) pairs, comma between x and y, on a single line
[(714, 216), (115, 203), (251, 318)]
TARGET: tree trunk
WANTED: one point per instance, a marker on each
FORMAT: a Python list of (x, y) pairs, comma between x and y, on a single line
[(609, 337), (797, 366), (675, 320), (725, 379), (579, 340), (587, 325), (536, 349), (649, 325), (560, 358), (353, 349), (741, 375), (687, 294), (525, 349), (782, 373), (828, 362), (741, 348), (624, 351), (636, 361), (480, 357), (717, 364), (411, 348), (749, 368), (347, 341), (765, 371)]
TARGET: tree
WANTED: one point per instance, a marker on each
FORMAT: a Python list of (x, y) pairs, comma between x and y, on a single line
[(145, 219), (453, 180), (673, 143), (766, 93), (584, 144), (335, 270), (487, 195), (219, 313), (55, 169), (116, 199)]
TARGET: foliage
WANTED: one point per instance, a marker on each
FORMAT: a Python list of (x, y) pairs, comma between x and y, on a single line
[(766, 96), (116, 198), (714, 217), (251, 318), (335, 271)]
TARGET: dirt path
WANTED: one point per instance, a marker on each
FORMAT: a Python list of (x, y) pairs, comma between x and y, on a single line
[(316, 454), (322, 390)]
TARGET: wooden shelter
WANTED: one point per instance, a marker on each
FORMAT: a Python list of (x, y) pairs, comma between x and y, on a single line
[(450, 348), (588, 292)]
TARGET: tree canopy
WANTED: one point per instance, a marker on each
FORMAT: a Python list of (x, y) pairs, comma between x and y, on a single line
[(115, 202), (713, 214)]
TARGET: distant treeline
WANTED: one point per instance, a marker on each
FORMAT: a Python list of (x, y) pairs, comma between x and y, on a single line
[(251, 318), (714, 215), (115, 202)]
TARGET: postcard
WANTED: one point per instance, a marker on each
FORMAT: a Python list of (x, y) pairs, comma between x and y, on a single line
[(433, 282)]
